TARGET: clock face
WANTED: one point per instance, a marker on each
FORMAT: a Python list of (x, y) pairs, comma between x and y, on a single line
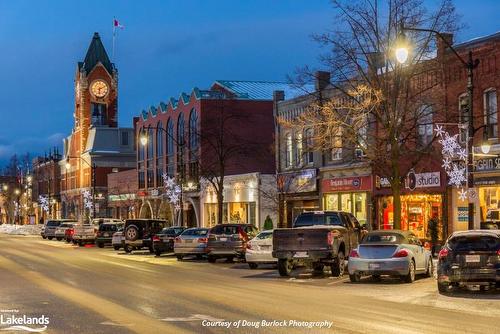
[(99, 88)]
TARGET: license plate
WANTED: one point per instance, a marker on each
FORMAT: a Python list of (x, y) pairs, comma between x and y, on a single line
[(106, 234), (472, 258), (300, 254), (222, 239), (265, 247), (373, 265)]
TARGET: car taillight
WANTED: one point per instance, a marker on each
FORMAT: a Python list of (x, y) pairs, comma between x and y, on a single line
[(401, 253), (177, 240), (241, 236), (202, 240), (353, 253), (443, 253), (71, 232), (498, 252), (330, 238), (156, 238)]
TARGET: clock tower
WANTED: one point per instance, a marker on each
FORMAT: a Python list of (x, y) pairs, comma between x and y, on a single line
[(96, 93)]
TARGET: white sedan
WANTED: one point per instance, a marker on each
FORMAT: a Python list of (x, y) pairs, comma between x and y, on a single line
[(259, 249)]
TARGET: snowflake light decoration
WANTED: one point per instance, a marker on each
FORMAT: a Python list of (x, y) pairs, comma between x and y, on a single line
[(456, 176), (462, 194), (172, 191), (87, 199), (43, 201)]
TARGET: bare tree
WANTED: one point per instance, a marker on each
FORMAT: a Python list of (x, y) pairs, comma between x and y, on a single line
[(379, 106)]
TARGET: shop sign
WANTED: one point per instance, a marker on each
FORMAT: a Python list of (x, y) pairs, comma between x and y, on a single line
[(347, 184), (422, 180), (155, 192), (297, 182), (488, 164), (486, 181), (382, 182)]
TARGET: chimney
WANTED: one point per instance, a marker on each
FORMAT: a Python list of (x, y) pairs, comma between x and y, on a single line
[(278, 95), (441, 45), (321, 80)]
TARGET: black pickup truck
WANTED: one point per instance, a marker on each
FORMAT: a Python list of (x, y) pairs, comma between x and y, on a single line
[(317, 239)]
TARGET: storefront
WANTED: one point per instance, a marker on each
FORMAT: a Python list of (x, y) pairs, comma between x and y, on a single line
[(349, 194), (487, 185), (300, 193), (422, 198), (247, 199)]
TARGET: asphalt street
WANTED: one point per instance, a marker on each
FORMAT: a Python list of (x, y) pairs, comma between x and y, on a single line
[(92, 290)]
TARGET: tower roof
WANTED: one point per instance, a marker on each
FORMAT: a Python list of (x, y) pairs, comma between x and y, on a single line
[(95, 54)]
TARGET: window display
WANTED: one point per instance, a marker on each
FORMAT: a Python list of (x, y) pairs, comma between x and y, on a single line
[(355, 203)]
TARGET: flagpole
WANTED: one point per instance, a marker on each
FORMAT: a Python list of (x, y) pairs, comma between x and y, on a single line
[(113, 49)]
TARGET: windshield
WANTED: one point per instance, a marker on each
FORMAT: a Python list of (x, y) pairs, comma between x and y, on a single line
[(474, 243), (264, 235), (317, 219), (391, 238), (53, 223)]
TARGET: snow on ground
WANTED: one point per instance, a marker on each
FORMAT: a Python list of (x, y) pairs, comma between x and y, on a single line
[(20, 229)]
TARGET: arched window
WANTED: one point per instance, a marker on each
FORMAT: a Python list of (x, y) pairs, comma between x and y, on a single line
[(140, 147), (159, 140), (180, 129), (170, 147), (289, 151), (193, 131), (150, 144), (491, 112), (180, 146)]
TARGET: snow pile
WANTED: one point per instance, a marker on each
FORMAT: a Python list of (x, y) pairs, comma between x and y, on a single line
[(20, 229)]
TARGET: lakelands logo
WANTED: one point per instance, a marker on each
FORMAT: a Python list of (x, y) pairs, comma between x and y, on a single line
[(24, 323)]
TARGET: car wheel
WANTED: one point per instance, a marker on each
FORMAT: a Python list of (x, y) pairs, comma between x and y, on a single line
[(68, 241), (338, 267), (318, 268), (127, 249), (151, 250), (58, 239), (199, 256), (179, 257), (253, 265), (132, 233), (50, 238), (443, 287), (44, 237), (230, 259), (355, 278), (410, 277), (430, 268), (100, 245), (211, 259), (285, 267), (80, 243), (157, 252), (116, 248), (74, 242), (376, 278)]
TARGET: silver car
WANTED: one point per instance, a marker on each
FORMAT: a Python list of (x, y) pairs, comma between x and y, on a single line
[(390, 252), (49, 229), (60, 232), (192, 241)]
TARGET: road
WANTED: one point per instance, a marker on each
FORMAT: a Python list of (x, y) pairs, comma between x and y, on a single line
[(91, 290)]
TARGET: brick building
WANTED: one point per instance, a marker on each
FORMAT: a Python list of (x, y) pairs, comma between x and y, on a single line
[(96, 146), (240, 111), (122, 194), (46, 182)]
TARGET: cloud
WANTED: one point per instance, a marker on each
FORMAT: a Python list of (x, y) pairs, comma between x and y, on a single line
[(32, 145)]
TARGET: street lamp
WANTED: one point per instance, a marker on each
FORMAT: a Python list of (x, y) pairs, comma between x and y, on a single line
[(470, 64), (144, 139), (5, 187)]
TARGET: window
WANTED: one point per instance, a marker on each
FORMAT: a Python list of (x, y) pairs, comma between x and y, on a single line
[(159, 140), (425, 133), (140, 149), (193, 134), (289, 152), (124, 138), (309, 143), (180, 146), (463, 106), (150, 144), (363, 132), (299, 149), (490, 113), (141, 180), (170, 147), (98, 113), (336, 153)]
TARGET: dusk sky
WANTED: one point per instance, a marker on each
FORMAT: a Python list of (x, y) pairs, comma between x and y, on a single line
[(166, 47)]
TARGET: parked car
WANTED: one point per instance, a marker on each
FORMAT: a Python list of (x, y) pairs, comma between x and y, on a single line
[(469, 258), (260, 250), (60, 232), (118, 240), (192, 241), (390, 252), (105, 232), (49, 229), (317, 239), (229, 241), (164, 240), (138, 233), (87, 232)]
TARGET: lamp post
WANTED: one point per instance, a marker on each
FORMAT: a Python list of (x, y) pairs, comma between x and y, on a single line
[(470, 64), (144, 139), (93, 168)]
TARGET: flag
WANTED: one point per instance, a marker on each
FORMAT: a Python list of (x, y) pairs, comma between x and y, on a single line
[(116, 24)]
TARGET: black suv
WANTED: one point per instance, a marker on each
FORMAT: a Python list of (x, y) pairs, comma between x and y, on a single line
[(138, 233), (164, 241), (470, 257), (105, 233), (229, 241)]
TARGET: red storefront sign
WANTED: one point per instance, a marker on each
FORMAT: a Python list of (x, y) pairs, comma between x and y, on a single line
[(356, 183)]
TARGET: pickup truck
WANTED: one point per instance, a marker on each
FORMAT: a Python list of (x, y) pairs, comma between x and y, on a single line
[(317, 239), (86, 233)]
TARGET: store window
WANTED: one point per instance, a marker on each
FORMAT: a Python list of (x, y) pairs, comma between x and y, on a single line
[(489, 202), (355, 203), (416, 211)]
